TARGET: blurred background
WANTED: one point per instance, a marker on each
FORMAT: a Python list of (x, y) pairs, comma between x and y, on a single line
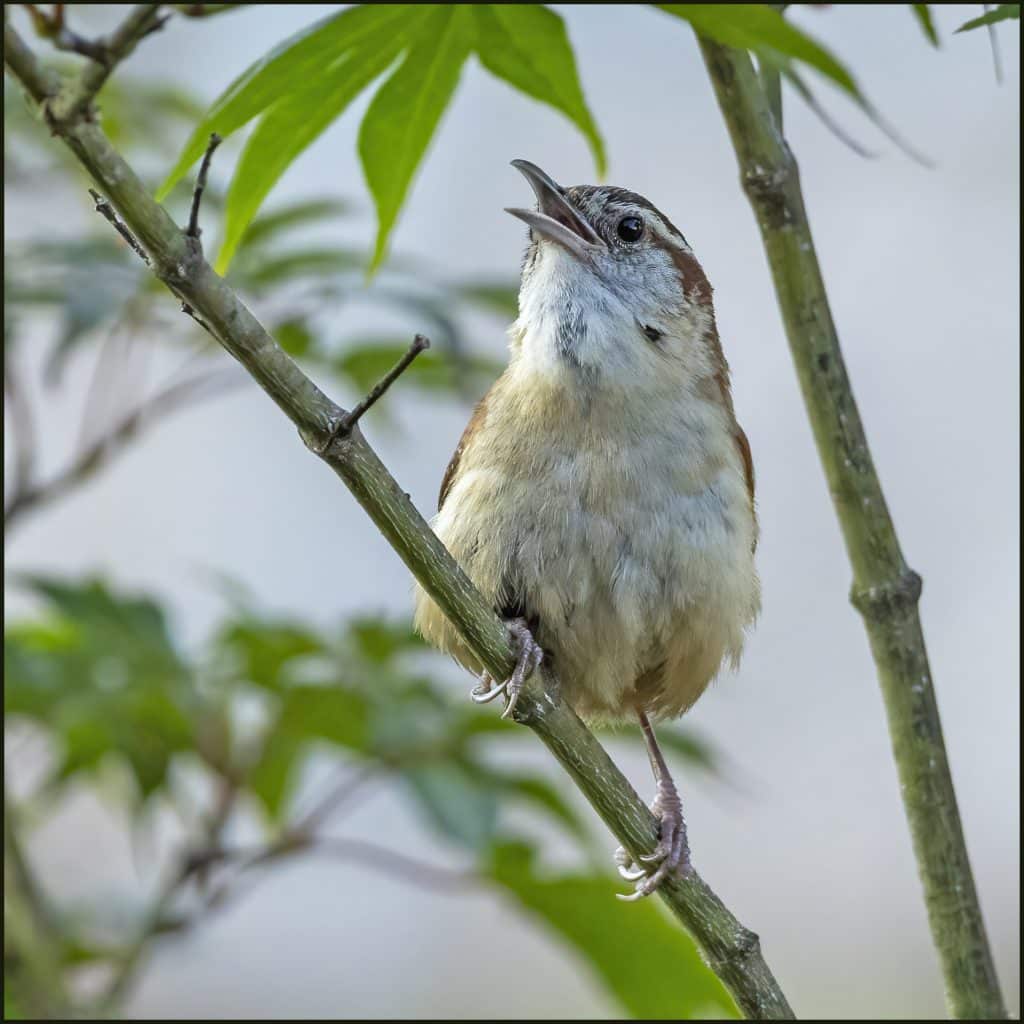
[(219, 514)]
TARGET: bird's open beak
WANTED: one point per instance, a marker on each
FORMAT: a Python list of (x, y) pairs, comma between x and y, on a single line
[(555, 217)]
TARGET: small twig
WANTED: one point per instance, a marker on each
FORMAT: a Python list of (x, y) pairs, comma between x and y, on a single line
[(104, 208), (193, 230), (350, 419)]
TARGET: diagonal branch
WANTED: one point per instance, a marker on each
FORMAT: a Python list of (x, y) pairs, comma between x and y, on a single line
[(885, 589), (731, 950)]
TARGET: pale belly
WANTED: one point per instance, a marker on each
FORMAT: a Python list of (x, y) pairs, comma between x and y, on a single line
[(635, 572)]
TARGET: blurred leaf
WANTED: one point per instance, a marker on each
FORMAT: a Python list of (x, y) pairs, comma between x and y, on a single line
[(294, 336), (923, 14), (366, 363), (691, 747), (537, 792), (292, 266), (528, 47), (493, 296), (759, 28), (308, 715), (100, 673), (647, 962), (303, 213), (455, 801), (264, 650), (1002, 12), (404, 113), (274, 776), (381, 641)]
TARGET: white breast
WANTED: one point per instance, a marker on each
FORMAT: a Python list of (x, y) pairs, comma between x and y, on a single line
[(620, 518)]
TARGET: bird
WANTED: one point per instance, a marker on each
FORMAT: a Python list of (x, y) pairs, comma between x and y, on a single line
[(602, 495)]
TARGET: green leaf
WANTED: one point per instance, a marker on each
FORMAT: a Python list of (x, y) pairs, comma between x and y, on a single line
[(308, 714), (292, 123), (457, 803), (528, 47), (1003, 12), (433, 370), (923, 13), (275, 774), (759, 28), (291, 65), (405, 112), (265, 651), (303, 213), (539, 793), (380, 641), (494, 296), (294, 336), (293, 266), (644, 960), (98, 671)]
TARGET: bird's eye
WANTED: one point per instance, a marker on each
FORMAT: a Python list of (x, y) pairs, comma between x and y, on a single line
[(629, 229)]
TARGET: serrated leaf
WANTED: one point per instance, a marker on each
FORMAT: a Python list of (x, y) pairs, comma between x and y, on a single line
[(528, 47), (292, 123), (405, 112), (645, 961), (459, 805), (290, 65), (923, 14), (759, 28), (1002, 12)]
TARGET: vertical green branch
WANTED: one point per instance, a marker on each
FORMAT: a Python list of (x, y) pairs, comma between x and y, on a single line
[(885, 590)]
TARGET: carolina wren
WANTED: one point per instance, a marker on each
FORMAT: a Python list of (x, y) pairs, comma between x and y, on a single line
[(602, 495)]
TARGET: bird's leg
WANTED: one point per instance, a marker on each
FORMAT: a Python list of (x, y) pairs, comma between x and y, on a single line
[(529, 657), (673, 853)]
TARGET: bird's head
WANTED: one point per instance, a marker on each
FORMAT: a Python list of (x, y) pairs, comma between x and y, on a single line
[(609, 278)]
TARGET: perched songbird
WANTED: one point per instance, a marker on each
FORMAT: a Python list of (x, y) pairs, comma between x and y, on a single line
[(602, 495)]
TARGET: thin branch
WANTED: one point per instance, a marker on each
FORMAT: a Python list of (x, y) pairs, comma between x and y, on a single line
[(92, 458), (419, 344), (75, 101), (193, 230), (731, 950), (885, 590)]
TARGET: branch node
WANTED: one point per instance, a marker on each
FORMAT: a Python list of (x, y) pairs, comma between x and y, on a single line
[(104, 208), (193, 229), (893, 597)]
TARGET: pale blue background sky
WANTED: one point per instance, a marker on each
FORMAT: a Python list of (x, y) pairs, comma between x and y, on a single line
[(922, 268)]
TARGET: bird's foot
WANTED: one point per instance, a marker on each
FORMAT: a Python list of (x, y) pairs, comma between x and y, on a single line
[(529, 657), (672, 856)]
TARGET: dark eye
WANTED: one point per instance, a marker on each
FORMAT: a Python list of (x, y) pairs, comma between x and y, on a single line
[(630, 229)]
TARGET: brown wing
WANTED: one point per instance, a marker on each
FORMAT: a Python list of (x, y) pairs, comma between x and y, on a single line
[(453, 467)]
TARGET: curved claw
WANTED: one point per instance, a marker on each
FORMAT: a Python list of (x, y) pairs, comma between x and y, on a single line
[(631, 876), (480, 696)]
